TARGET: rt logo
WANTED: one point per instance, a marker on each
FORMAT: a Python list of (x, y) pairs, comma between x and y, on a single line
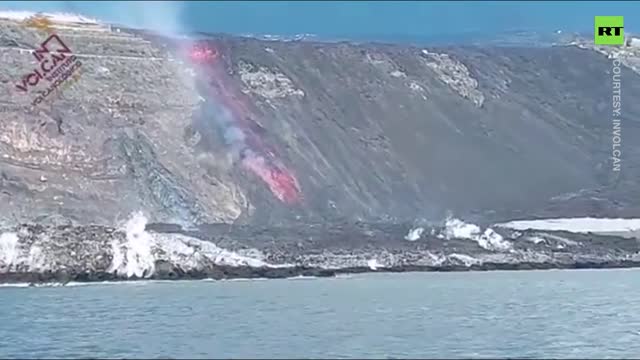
[(609, 30)]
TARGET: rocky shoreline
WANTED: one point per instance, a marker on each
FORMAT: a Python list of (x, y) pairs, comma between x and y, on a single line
[(38, 254), (228, 273), (273, 145)]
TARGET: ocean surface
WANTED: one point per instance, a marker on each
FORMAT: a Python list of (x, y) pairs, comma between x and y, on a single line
[(576, 314), (434, 21)]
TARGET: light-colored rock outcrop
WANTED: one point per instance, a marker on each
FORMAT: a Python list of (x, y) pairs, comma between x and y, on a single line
[(455, 74)]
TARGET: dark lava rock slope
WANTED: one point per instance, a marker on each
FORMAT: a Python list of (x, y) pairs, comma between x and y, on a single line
[(368, 131)]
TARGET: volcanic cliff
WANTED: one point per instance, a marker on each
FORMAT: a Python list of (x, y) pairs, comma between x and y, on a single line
[(334, 131), (320, 154)]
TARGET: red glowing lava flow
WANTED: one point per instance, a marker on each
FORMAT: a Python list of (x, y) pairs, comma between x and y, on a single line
[(201, 54), (281, 181), (207, 56)]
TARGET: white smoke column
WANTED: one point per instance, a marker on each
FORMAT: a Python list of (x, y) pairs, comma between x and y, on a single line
[(9, 252), (163, 17), (373, 264), (137, 258), (223, 119), (13, 256), (414, 234)]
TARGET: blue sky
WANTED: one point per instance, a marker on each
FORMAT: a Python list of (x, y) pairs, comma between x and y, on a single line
[(357, 19)]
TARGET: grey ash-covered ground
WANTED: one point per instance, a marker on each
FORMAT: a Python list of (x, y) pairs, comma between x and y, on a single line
[(378, 135)]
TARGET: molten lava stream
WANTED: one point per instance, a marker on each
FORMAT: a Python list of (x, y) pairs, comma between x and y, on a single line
[(280, 181)]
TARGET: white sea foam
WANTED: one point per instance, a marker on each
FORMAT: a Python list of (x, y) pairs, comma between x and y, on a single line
[(489, 239), (82, 284), (15, 285), (577, 225), (238, 280), (304, 277)]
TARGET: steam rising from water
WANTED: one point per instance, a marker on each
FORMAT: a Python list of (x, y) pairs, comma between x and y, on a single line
[(136, 259), (8, 248), (137, 255), (489, 239), (132, 252)]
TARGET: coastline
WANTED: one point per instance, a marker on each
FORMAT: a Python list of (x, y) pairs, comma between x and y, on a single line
[(248, 273), (38, 254)]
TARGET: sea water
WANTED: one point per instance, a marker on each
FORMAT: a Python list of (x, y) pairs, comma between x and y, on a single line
[(581, 313)]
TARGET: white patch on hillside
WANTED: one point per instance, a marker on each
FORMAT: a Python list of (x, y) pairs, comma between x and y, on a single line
[(58, 17), (536, 240), (577, 225)]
